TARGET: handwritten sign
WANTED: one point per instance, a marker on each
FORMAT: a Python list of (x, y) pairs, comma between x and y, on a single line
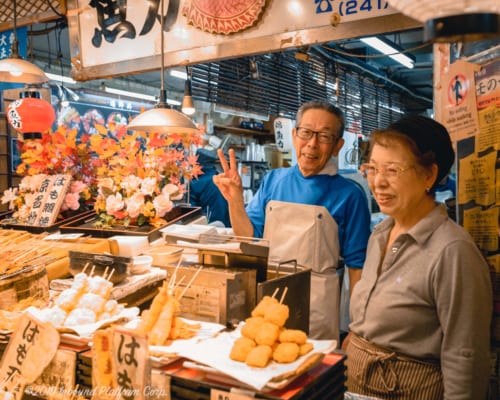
[(31, 348), (48, 200), (131, 355), (120, 364)]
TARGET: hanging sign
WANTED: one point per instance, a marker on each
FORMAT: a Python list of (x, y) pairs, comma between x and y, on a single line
[(114, 38), (31, 348), (283, 134)]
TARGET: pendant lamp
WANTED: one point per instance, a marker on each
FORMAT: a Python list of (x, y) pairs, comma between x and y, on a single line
[(453, 20), (162, 119), (15, 69), (187, 102)]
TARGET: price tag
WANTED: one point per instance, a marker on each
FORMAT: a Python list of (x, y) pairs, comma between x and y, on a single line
[(31, 348), (222, 395)]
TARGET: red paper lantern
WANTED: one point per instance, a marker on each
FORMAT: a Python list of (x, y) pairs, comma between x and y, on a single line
[(31, 115)]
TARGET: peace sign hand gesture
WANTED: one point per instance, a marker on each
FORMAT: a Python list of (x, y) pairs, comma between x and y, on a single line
[(229, 181)]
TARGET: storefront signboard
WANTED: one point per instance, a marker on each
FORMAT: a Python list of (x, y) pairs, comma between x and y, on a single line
[(112, 38)]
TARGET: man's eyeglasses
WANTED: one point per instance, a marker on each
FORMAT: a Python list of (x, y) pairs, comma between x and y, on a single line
[(323, 137), (389, 171)]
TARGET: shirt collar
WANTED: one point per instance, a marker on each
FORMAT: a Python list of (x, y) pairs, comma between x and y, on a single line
[(330, 168), (424, 228)]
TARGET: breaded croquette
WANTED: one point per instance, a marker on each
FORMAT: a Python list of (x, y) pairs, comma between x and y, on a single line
[(241, 348), (293, 336), (286, 352), (268, 333), (259, 356)]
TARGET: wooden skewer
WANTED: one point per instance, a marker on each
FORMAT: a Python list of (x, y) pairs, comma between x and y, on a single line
[(110, 275), (85, 266), (92, 270), (283, 295), (190, 282), (171, 282), (178, 283), (105, 272), (275, 292)]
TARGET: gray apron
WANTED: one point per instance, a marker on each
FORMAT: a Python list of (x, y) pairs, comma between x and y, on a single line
[(309, 235)]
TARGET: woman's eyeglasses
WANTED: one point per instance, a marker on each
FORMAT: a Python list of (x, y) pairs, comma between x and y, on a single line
[(389, 171), (323, 137)]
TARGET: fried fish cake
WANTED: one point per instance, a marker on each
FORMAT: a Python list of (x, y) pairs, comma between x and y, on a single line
[(259, 356), (277, 314), (251, 327), (293, 336), (268, 333), (305, 348), (241, 348), (264, 304), (286, 352)]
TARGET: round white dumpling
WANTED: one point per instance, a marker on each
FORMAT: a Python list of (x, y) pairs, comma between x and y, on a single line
[(92, 301), (56, 316), (110, 306), (67, 299), (80, 316), (80, 282), (100, 286)]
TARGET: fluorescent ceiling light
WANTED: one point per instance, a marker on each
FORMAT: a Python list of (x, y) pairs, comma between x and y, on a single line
[(240, 113), (389, 49), (60, 78), (136, 95)]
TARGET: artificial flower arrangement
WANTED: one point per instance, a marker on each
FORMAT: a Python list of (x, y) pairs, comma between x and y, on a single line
[(129, 179), (140, 176), (59, 152)]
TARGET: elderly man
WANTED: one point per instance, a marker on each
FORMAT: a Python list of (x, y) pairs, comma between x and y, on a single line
[(308, 212)]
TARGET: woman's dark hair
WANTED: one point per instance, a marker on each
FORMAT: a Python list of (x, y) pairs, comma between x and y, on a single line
[(428, 140), (322, 105)]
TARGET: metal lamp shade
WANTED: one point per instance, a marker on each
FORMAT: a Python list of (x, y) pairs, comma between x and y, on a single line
[(163, 120), (17, 70)]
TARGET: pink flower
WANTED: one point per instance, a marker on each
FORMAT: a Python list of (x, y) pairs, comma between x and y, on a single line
[(162, 204), (71, 201), (148, 186), (134, 205), (77, 187), (114, 203)]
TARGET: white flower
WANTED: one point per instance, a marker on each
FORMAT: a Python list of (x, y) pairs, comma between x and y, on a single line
[(114, 203), (131, 183), (173, 191), (148, 186), (9, 196), (134, 205), (162, 204)]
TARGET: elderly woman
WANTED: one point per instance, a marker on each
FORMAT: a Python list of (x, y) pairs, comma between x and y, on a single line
[(421, 312)]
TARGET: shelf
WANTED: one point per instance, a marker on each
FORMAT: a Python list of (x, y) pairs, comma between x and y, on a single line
[(242, 131)]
